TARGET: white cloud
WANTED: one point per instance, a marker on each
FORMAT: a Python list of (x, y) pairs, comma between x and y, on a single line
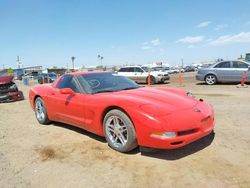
[(220, 26), (203, 24), (191, 46), (155, 42), (191, 39), (151, 44), (243, 37), (146, 47)]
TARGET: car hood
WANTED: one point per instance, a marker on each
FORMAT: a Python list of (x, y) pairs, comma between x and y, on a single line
[(5, 79), (159, 101)]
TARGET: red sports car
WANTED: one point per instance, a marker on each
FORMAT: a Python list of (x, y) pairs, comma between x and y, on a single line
[(125, 113)]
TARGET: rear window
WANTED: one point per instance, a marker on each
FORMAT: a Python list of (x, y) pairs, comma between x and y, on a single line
[(126, 69), (238, 64)]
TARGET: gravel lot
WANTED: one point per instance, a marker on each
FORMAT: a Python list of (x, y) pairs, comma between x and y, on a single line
[(59, 155)]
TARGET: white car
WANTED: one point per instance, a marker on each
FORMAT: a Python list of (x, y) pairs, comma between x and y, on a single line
[(140, 74)]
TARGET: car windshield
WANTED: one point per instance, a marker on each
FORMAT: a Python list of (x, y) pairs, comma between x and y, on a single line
[(105, 82)]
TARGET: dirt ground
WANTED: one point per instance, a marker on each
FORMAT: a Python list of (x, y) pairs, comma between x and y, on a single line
[(59, 155)]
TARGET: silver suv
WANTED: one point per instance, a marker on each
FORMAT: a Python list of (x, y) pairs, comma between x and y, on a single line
[(224, 71), (140, 74)]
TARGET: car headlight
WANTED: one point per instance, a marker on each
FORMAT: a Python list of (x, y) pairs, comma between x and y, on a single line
[(160, 74), (189, 94)]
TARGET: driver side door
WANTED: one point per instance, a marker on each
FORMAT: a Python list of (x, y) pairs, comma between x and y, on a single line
[(67, 108)]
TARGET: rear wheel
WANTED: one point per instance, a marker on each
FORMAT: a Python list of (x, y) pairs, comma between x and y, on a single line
[(41, 112), (210, 79), (119, 131)]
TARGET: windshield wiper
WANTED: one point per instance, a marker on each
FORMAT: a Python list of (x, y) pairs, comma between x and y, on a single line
[(128, 88), (103, 91)]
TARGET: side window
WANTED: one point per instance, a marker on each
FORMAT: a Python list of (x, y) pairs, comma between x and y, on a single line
[(67, 81), (238, 64), (243, 65), (131, 69), (137, 69), (225, 64), (123, 70)]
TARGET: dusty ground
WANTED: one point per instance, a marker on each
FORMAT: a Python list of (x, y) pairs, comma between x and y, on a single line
[(32, 155)]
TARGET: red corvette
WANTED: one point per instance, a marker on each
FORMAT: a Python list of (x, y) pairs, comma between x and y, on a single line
[(125, 113)]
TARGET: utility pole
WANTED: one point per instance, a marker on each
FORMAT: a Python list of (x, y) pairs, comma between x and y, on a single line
[(19, 63), (100, 58), (73, 61), (182, 63)]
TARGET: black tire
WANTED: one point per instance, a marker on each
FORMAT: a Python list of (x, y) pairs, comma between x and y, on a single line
[(152, 80), (39, 110), (210, 79), (129, 133)]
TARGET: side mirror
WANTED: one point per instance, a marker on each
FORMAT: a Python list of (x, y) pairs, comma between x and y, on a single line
[(248, 68), (68, 91)]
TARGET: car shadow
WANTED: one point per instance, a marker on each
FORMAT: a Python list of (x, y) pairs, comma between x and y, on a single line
[(231, 83), (171, 154), (80, 131), (161, 83), (175, 154)]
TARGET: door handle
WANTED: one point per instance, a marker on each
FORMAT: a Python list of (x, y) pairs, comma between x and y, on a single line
[(52, 93)]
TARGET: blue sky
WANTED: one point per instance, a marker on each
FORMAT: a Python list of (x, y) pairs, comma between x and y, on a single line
[(49, 32)]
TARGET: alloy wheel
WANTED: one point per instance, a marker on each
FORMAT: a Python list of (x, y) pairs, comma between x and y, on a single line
[(117, 131), (210, 79), (40, 110)]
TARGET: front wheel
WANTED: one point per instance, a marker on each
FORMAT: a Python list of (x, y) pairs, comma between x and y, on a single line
[(119, 131), (41, 112), (152, 80), (210, 79)]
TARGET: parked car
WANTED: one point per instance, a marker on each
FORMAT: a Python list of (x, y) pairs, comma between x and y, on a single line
[(46, 78), (140, 74), (162, 69), (8, 90), (125, 113), (32, 75), (189, 69), (224, 71), (174, 70)]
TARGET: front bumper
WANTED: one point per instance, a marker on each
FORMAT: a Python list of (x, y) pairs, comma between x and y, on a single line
[(162, 78), (11, 97), (189, 125), (200, 77)]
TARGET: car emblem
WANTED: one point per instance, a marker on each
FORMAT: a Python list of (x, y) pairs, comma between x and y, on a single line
[(197, 110)]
